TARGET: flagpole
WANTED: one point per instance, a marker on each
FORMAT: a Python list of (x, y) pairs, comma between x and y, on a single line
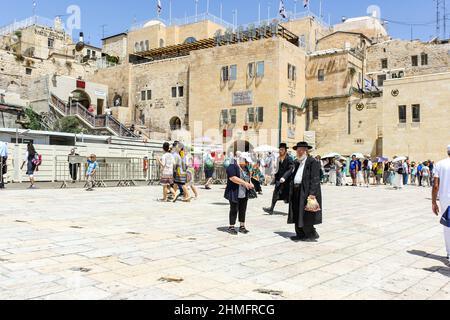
[(170, 12), (221, 11), (259, 12)]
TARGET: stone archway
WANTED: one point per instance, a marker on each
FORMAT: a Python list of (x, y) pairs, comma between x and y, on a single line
[(175, 124), (82, 98)]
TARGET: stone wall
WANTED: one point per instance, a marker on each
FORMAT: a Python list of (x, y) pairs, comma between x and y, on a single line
[(399, 53), (14, 77), (160, 77), (428, 138)]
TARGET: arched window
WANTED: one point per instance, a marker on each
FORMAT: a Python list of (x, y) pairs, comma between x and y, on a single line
[(175, 124), (147, 45), (142, 46), (161, 43), (136, 47), (190, 40)]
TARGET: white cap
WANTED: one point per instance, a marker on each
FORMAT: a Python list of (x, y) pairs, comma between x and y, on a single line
[(245, 156)]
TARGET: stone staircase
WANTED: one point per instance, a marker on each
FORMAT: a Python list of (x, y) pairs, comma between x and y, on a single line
[(94, 122)]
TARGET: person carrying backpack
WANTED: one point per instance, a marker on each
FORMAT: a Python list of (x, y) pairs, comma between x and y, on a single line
[(33, 161), (209, 162)]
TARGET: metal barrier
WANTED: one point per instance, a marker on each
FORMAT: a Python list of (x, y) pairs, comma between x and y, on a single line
[(124, 171)]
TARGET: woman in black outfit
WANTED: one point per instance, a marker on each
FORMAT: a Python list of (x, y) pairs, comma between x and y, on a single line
[(29, 160), (236, 193)]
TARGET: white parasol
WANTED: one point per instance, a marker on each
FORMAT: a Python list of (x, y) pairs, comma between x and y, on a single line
[(398, 159), (331, 155), (265, 148)]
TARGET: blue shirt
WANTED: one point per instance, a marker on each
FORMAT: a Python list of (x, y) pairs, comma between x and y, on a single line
[(354, 165), (92, 165), (3, 149)]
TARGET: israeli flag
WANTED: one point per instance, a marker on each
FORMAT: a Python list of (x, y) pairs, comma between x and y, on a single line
[(282, 9)]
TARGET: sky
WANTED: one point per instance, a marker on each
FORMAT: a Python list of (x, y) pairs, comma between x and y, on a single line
[(109, 17)]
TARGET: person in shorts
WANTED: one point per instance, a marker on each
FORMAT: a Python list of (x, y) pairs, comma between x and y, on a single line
[(90, 171), (167, 163), (30, 160)]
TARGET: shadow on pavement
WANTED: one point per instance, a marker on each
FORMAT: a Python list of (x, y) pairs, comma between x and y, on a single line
[(286, 235), (442, 270), (220, 204)]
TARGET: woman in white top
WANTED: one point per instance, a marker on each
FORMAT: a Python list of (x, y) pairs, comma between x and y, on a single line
[(167, 164)]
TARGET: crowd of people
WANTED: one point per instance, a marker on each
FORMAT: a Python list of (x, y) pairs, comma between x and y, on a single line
[(397, 173)]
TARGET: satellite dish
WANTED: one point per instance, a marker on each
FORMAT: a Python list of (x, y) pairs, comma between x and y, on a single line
[(80, 44)]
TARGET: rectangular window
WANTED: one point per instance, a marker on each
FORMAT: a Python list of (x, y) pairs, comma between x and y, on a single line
[(233, 117), (291, 115), (416, 113), (51, 43), (251, 70), (321, 75), (415, 61), (424, 58), (250, 115), (28, 71), (381, 79), (294, 73), (260, 114), (181, 92), (260, 69), (143, 93), (224, 117), (149, 94), (224, 74), (402, 114), (316, 110), (174, 92), (384, 63), (233, 72), (289, 71), (88, 52), (93, 54)]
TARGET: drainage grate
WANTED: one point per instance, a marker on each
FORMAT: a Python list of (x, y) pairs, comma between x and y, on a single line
[(171, 279), (84, 270), (270, 292)]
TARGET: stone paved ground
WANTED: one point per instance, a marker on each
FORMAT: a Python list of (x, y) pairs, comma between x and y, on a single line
[(118, 243)]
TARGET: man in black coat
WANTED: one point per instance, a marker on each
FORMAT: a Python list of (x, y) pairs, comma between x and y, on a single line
[(285, 167), (305, 184)]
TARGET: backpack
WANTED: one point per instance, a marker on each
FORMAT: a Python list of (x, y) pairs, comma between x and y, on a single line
[(227, 163), (37, 161), (209, 163)]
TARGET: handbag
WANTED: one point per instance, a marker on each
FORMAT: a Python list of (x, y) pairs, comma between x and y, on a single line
[(445, 218), (251, 194)]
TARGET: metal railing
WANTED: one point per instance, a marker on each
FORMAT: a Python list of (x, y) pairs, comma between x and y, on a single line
[(93, 121), (186, 20), (28, 22), (121, 172)]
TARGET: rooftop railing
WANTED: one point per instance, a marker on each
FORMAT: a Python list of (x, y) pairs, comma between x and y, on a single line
[(186, 20), (28, 22)]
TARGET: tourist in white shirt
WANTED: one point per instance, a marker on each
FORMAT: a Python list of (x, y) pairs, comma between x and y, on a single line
[(441, 188), (167, 163)]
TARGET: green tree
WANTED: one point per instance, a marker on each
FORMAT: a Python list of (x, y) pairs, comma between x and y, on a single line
[(70, 125)]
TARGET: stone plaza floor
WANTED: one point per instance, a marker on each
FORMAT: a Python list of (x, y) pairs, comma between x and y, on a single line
[(375, 243)]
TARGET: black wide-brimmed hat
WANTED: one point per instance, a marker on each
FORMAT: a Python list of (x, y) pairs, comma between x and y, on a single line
[(302, 145), (283, 145)]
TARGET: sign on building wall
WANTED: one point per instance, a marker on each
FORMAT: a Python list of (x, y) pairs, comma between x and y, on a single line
[(242, 98), (291, 133), (48, 33), (100, 94), (310, 137)]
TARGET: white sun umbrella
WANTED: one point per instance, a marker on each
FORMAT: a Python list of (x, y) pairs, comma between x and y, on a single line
[(398, 159), (264, 149), (331, 155)]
